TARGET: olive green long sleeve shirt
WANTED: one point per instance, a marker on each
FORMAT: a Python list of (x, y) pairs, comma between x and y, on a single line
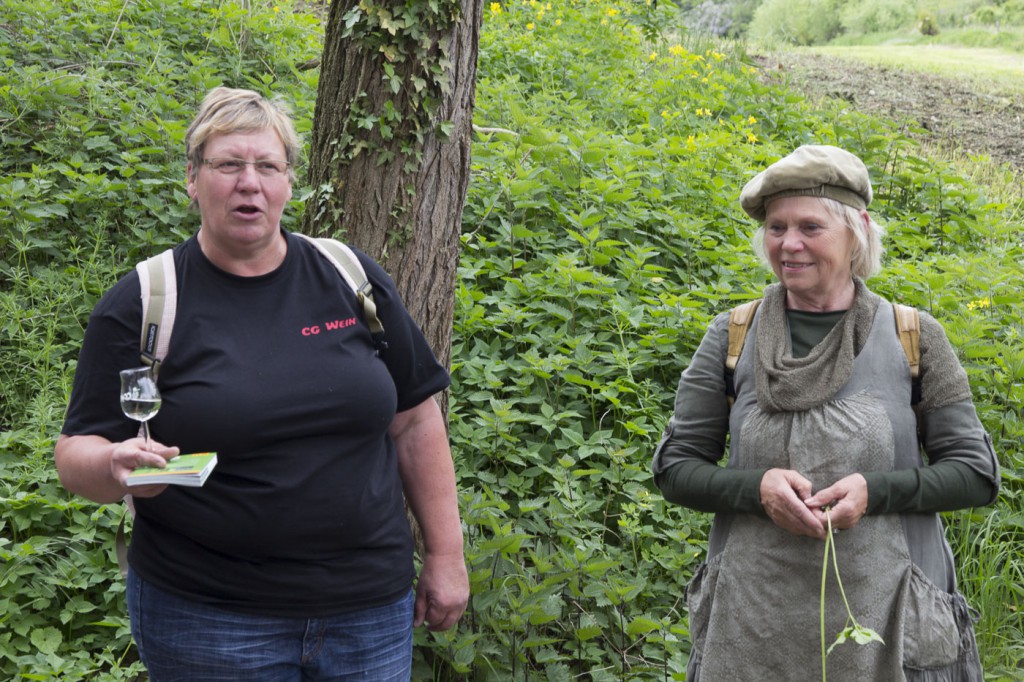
[(946, 484)]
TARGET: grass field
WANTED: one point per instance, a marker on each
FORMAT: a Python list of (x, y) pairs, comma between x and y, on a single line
[(993, 70)]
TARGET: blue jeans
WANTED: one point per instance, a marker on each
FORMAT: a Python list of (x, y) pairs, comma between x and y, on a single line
[(182, 641)]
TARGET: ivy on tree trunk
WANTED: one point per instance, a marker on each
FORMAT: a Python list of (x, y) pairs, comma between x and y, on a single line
[(390, 152)]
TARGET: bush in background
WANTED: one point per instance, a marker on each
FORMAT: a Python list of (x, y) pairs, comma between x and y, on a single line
[(601, 234), (795, 22), (94, 100), (877, 16)]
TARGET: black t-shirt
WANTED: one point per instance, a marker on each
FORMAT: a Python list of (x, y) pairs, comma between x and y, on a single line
[(279, 375)]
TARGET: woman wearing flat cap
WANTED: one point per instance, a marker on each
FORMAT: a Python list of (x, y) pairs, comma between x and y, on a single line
[(822, 431)]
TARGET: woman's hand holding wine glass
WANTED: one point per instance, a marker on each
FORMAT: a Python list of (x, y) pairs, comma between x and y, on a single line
[(140, 400)]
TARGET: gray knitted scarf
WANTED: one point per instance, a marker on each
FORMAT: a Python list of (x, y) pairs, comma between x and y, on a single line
[(788, 384)]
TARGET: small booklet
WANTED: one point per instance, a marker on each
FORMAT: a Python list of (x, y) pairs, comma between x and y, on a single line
[(190, 470)]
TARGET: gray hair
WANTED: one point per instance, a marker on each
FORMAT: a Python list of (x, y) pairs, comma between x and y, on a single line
[(867, 249)]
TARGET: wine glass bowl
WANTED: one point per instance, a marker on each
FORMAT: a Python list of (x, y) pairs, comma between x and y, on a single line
[(140, 398)]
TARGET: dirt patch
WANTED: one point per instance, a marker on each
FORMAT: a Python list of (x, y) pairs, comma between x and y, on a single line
[(954, 117)]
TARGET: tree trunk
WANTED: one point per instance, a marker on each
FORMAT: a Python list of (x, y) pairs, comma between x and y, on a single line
[(390, 153)]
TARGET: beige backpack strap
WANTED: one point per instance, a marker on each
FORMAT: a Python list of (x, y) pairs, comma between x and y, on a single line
[(158, 287), (908, 328), (158, 283), (121, 545), (739, 321), (740, 318), (351, 270)]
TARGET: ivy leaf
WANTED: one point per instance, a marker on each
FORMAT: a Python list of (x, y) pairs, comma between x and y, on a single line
[(352, 17)]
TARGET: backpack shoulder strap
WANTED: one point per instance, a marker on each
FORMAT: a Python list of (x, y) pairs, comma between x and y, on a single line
[(908, 328), (740, 318), (351, 270), (159, 290), (739, 322)]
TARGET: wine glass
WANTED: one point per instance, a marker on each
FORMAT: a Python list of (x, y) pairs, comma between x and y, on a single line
[(140, 398)]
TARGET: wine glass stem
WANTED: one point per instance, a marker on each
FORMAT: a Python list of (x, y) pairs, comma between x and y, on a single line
[(145, 432)]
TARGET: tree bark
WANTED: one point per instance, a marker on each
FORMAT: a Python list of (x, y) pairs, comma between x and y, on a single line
[(390, 152)]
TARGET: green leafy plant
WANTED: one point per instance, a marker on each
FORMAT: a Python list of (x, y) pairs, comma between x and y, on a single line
[(852, 630), (601, 235)]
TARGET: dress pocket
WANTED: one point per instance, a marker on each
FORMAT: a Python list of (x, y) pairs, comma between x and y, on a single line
[(932, 635), (700, 594)]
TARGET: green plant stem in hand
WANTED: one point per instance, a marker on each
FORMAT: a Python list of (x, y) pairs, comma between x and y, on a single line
[(853, 630)]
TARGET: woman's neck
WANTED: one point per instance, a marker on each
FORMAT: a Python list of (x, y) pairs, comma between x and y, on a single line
[(823, 302), (245, 260)]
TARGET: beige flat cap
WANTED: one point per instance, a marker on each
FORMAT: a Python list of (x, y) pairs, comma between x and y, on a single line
[(811, 170)]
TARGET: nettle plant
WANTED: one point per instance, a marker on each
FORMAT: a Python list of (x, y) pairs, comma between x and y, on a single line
[(94, 100), (852, 630), (600, 236)]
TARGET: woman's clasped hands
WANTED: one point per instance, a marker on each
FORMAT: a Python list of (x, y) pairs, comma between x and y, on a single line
[(789, 501)]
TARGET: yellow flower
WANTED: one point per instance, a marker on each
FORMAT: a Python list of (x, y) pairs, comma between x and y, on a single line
[(665, 114), (676, 50), (558, 22), (654, 55), (612, 11), (276, 8), (751, 120), (691, 144), (980, 303), (751, 137), (604, 22), (529, 26), (495, 8)]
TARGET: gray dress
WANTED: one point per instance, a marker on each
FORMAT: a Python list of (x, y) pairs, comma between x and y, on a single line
[(754, 604)]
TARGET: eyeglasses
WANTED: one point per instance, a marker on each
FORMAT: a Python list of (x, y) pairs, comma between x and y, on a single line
[(268, 168)]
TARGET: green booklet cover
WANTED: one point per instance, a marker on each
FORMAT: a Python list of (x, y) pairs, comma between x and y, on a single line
[(191, 470)]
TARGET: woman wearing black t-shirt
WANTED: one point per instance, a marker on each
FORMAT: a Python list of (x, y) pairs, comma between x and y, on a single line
[(294, 560)]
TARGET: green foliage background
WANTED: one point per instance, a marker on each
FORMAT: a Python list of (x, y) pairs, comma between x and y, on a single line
[(601, 234), (818, 22)]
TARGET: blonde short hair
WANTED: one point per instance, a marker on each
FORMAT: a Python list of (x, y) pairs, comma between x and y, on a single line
[(228, 110), (867, 250)]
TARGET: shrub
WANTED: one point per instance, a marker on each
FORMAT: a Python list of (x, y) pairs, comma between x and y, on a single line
[(600, 235), (927, 25), (94, 99), (877, 16), (795, 22), (988, 15)]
